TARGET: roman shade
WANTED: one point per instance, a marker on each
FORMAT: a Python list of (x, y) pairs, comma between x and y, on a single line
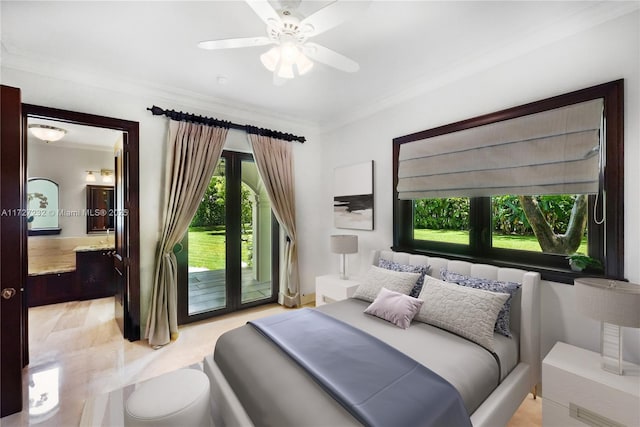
[(552, 152)]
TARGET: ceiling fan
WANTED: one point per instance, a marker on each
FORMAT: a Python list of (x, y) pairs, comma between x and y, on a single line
[(289, 31)]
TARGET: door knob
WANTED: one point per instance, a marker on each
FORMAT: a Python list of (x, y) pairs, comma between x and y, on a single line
[(8, 293)]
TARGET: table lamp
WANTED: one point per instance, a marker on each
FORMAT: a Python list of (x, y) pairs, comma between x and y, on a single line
[(344, 244), (615, 304)]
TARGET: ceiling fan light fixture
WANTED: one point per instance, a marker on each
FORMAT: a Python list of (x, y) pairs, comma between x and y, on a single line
[(303, 64), (271, 58), (285, 71), (289, 52), (47, 133)]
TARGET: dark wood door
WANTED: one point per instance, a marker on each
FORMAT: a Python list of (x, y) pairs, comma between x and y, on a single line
[(13, 232), (124, 293)]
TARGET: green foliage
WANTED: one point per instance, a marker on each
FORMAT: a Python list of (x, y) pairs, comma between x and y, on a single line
[(211, 211), (581, 261), (508, 216), (441, 214), (207, 248), (557, 210)]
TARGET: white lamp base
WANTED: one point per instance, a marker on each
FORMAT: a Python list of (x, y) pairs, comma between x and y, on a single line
[(343, 267), (611, 348)]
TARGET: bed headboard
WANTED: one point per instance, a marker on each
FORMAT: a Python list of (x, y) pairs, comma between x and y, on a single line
[(525, 308)]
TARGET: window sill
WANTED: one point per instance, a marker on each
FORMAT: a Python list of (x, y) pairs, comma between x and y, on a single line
[(547, 273)]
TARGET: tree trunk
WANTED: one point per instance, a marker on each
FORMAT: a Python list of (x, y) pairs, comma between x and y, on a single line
[(550, 242)]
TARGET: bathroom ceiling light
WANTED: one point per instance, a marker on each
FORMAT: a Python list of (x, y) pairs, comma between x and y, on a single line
[(47, 133), (90, 177), (107, 175)]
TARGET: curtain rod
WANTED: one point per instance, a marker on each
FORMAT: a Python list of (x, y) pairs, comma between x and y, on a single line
[(180, 116)]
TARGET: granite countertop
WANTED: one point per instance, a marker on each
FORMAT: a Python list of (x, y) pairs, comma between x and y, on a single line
[(55, 268), (91, 248)]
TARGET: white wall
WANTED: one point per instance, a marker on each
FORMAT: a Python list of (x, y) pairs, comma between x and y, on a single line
[(123, 100), (67, 167), (603, 54)]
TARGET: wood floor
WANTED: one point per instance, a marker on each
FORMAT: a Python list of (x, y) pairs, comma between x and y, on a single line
[(77, 352), (207, 289)]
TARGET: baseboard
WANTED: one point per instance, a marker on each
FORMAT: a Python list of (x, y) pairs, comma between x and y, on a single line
[(308, 299)]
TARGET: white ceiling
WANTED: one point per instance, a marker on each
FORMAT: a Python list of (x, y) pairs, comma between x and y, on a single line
[(78, 136), (403, 47)]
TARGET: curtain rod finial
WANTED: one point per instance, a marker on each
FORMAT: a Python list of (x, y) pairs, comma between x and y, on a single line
[(156, 111)]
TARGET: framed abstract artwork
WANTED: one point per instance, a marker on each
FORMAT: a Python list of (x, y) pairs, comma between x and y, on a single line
[(353, 196)]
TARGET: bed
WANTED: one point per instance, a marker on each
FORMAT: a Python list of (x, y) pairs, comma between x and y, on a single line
[(254, 383)]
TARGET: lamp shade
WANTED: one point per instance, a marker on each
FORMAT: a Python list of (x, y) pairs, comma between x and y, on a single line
[(610, 301), (344, 244), (90, 177)]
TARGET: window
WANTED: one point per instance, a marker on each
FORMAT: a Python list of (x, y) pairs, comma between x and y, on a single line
[(522, 187), (441, 220)]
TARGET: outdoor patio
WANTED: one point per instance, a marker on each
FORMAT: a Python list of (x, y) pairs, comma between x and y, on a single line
[(207, 289)]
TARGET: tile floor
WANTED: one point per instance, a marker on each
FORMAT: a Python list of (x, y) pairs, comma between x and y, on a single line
[(77, 352)]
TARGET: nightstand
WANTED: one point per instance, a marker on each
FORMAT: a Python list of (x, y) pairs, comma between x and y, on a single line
[(331, 287), (577, 392)]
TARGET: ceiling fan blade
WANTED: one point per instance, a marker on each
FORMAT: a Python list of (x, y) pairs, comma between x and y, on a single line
[(234, 43), (264, 10), (330, 57), (330, 16)]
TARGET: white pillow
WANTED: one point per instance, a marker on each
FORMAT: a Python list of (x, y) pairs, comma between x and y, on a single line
[(377, 278), (468, 312), (394, 307)]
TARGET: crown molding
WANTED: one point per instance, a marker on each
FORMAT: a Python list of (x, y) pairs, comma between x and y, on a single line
[(596, 14), (161, 95)]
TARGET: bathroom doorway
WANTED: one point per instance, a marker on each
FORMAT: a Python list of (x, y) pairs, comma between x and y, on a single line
[(86, 255)]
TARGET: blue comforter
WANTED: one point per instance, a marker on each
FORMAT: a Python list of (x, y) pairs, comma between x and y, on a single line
[(377, 384)]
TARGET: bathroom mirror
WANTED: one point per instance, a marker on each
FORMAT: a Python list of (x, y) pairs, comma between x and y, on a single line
[(42, 206), (99, 208)]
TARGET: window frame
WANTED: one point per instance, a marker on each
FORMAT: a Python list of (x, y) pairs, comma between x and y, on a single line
[(233, 250), (606, 241)]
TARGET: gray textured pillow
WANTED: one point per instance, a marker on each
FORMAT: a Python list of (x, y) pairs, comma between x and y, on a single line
[(377, 278), (502, 322), (468, 312), (395, 307), (407, 268)]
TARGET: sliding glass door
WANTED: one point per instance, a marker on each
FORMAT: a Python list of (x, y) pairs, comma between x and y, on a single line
[(228, 259)]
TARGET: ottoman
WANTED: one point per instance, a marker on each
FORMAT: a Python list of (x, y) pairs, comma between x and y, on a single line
[(178, 398)]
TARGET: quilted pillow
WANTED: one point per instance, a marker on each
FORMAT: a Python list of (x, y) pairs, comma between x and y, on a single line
[(377, 278), (394, 307), (502, 322), (422, 269), (468, 312)]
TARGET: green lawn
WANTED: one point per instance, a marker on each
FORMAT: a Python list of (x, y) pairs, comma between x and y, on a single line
[(207, 247), (525, 243)]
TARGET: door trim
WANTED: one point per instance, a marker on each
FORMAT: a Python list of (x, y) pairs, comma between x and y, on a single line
[(132, 196)]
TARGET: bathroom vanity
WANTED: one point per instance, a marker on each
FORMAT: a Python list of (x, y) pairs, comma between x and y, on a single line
[(89, 277)]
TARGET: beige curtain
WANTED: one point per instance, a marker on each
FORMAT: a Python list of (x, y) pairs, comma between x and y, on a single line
[(192, 153), (274, 160)]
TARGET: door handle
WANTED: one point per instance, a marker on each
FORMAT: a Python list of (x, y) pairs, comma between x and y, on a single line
[(8, 293)]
